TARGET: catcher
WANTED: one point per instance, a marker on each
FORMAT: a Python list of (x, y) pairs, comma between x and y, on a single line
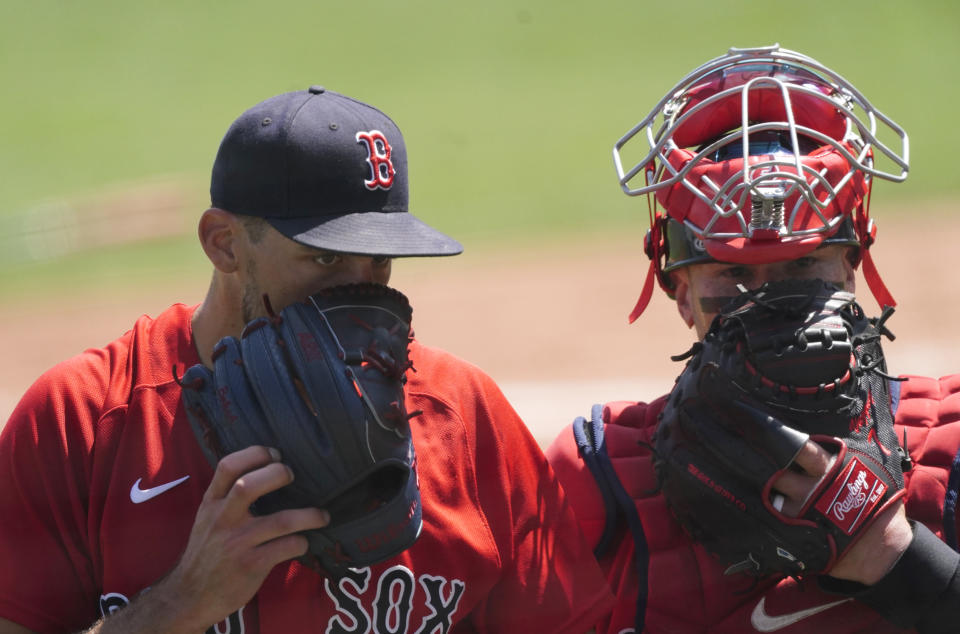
[(265, 462), (788, 482)]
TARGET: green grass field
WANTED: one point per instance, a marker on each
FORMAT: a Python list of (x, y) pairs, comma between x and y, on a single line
[(510, 109)]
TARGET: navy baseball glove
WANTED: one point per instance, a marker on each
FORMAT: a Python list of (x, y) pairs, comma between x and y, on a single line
[(323, 383), (788, 362)]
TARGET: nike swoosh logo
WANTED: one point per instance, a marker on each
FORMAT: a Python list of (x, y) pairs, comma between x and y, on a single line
[(763, 622), (138, 495)]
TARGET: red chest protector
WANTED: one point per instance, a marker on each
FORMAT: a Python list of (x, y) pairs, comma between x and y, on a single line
[(928, 416), (667, 583)]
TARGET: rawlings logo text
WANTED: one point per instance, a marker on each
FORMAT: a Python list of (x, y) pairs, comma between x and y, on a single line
[(856, 496), (367, 544), (716, 488), (852, 496), (311, 349), (223, 394)]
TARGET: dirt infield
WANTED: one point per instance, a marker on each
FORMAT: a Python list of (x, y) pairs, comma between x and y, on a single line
[(547, 322)]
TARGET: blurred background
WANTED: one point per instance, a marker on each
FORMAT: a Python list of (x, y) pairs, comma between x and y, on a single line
[(111, 113)]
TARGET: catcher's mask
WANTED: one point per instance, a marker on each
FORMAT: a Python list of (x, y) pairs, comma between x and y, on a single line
[(758, 156)]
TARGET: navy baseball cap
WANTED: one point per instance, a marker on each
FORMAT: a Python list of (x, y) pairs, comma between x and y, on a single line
[(327, 171)]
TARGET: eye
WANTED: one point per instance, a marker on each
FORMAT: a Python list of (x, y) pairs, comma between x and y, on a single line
[(736, 272), (804, 263), (327, 259), (381, 260)]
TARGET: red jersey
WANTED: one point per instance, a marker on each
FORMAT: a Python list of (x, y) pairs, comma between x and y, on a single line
[(686, 589), (102, 478)]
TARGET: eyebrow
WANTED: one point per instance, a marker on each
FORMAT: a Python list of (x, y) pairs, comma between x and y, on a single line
[(314, 251)]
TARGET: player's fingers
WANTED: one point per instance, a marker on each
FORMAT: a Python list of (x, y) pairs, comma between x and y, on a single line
[(253, 485), (280, 549), (234, 465), (795, 485), (268, 528), (813, 459), (795, 488)]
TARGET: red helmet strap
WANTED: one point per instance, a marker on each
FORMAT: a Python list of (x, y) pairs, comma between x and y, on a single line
[(656, 248), (645, 294), (877, 287), (867, 233)]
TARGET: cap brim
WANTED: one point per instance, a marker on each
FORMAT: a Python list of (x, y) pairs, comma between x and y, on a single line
[(395, 234)]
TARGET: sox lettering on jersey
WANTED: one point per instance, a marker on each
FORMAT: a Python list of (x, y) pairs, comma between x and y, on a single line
[(389, 611), (442, 606), (378, 157), (111, 602), (393, 603), (233, 624)]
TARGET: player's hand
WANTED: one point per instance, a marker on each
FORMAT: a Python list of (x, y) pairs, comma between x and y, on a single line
[(230, 551), (877, 550)]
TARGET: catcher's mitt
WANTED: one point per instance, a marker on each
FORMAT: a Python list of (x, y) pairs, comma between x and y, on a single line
[(790, 361), (323, 383)]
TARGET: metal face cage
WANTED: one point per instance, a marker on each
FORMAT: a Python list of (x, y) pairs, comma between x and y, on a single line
[(760, 155), (760, 144)]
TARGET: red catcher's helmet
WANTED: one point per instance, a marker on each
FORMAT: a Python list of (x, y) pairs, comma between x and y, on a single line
[(758, 156)]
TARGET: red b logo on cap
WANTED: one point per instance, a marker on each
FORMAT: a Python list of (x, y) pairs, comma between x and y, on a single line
[(378, 157)]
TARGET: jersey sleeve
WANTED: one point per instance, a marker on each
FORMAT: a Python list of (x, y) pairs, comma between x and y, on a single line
[(46, 579), (551, 581)]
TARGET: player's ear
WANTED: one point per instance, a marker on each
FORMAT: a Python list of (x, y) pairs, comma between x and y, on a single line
[(682, 292), (218, 231), (850, 270)]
